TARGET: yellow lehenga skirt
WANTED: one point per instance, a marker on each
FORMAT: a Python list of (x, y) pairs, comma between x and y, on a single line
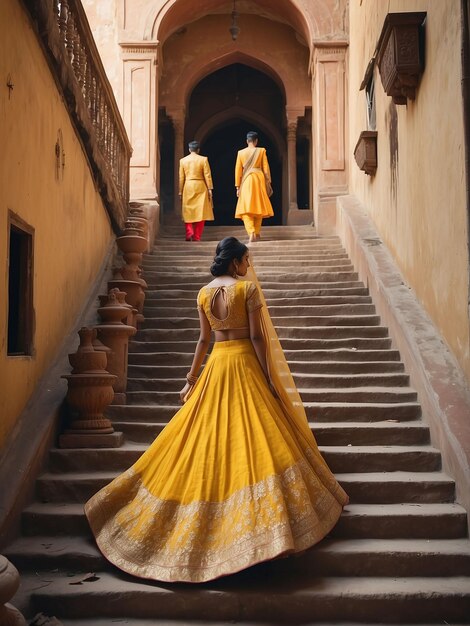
[(228, 483)]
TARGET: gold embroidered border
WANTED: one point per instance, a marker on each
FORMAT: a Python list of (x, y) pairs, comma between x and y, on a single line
[(169, 541)]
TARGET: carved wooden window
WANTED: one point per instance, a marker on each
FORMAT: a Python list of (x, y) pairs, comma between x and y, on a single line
[(20, 287)]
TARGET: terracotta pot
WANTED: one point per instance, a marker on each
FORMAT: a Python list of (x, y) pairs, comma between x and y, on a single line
[(143, 224), (86, 359), (135, 295), (112, 311), (131, 243), (9, 583), (132, 312), (88, 395)]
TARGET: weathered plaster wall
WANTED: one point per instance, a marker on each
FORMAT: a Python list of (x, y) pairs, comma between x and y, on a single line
[(417, 197), (72, 232)]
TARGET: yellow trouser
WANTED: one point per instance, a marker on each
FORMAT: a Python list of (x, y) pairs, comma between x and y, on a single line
[(252, 223)]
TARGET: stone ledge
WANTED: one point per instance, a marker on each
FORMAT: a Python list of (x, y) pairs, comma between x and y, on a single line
[(435, 373)]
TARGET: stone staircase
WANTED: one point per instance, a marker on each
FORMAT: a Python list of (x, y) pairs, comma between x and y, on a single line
[(399, 553)]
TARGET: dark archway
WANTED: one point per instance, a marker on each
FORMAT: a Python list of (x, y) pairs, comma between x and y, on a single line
[(223, 107), (221, 147)]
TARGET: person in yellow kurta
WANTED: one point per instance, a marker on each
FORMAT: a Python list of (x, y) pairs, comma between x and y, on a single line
[(195, 190), (253, 182), (236, 476)]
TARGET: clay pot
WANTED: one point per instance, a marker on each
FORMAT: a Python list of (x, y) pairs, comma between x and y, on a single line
[(112, 311), (132, 228), (143, 224), (132, 312), (9, 583), (86, 360), (131, 243), (88, 395), (135, 295)]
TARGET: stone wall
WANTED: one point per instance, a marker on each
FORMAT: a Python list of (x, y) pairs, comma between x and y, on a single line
[(55, 196), (417, 196)]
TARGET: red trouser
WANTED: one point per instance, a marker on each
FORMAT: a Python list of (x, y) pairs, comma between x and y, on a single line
[(194, 230)]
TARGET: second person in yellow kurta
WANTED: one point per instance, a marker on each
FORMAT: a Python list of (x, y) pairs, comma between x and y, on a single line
[(195, 189), (252, 177)]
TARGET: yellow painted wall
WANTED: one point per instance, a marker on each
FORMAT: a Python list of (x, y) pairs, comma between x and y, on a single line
[(72, 229), (421, 211)]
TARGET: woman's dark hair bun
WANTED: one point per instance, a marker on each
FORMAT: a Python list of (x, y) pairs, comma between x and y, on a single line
[(227, 250)]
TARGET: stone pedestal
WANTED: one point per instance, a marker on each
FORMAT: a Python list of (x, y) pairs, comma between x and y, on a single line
[(115, 334), (9, 583), (90, 391)]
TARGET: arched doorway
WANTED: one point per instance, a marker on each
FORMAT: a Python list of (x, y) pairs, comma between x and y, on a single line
[(222, 108), (221, 147)]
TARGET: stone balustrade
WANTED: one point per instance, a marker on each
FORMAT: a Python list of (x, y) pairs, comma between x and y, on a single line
[(64, 30)]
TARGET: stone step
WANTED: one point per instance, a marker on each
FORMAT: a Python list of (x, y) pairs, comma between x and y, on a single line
[(342, 459), (307, 312), (326, 434), (320, 395), (300, 320), (282, 290), (202, 278), (269, 246), (311, 381), (327, 295), (149, 370), (263, 595), (263, 258), (353, 343), (202, 264), (300, 358), (363, 488), (284, 332), (366, 521), (156, 622), (327, 304), (327, 412), (331, 557), (154, 275)]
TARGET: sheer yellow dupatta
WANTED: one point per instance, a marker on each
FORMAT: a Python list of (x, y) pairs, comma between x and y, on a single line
[(279, 372)]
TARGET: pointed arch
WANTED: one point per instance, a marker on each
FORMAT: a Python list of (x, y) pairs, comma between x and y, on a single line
[(163, 19)]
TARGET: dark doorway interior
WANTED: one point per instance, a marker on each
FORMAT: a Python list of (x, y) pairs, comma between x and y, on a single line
[(20, 291), (221, 147)]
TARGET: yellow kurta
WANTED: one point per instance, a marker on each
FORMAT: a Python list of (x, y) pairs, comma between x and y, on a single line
[(253, 199), (228, 483), (195, 180)]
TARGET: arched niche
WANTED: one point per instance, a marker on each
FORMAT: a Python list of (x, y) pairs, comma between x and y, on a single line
[(246, 99), (163, 19), (267, 47)]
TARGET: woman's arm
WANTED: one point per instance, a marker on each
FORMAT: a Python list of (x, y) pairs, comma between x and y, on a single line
[(200, 352)]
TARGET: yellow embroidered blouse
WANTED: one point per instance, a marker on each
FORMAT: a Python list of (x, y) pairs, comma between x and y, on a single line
[(241, 298)]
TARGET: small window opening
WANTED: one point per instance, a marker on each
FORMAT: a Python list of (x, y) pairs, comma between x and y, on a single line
[(20, 290), (370, 103)]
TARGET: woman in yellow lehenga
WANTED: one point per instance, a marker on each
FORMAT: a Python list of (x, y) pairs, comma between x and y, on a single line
[(236, 477)]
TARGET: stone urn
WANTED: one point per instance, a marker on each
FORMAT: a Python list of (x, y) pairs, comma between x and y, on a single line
[(112, 311), (90, 392), (135, 295), (132, 312), (86, 360), (115, 334), (132, 247), (9, 583)]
